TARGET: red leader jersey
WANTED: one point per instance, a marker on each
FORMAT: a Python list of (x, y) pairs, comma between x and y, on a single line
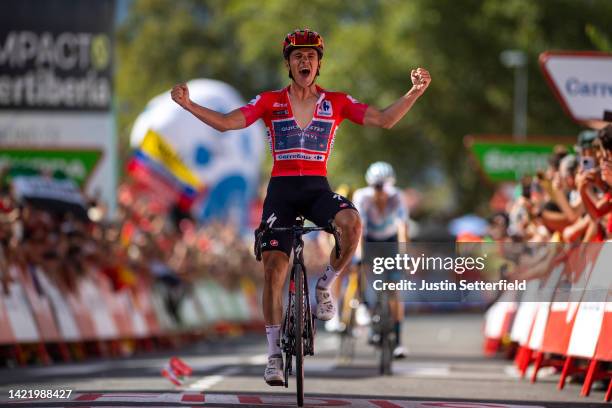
[(297, 151)]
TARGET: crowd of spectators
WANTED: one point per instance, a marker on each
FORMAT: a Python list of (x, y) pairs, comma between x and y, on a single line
[(569, 202), (136, 246)]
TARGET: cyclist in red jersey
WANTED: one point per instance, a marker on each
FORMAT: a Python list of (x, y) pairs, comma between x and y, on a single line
[(301, 122)]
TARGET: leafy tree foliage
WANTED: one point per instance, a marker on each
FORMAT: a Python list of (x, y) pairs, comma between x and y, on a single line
[(371, 46)]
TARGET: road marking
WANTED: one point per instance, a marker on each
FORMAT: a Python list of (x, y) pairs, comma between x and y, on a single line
[(422, 371), (210, 380), (234, 400), (258, 359)]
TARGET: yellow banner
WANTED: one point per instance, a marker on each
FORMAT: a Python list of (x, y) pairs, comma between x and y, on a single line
[(154, 146)]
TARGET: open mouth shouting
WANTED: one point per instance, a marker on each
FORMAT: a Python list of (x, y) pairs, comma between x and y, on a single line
[(304, 72)]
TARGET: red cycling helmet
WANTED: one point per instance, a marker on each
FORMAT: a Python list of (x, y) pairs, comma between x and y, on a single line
[(303, 38)]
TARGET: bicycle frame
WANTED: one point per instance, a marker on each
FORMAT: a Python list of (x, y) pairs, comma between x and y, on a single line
[(288, 328)]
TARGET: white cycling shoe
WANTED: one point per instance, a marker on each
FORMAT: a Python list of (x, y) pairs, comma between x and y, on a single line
[(273, 374), (326, 307)]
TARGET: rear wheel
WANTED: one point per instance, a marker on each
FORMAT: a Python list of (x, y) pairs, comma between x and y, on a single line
[(387, 337), (347, 339), (386, 354), (299, 334)]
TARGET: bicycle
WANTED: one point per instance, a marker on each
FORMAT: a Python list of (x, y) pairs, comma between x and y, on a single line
[(298, 328)]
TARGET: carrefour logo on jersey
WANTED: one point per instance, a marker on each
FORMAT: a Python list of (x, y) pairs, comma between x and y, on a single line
[(300, 156), (325, 108)]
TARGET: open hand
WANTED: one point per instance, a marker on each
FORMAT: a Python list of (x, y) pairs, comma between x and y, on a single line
[(180, 95), (420, 79)]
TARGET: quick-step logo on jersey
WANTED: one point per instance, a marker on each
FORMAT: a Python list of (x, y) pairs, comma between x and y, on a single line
[(289, 136)]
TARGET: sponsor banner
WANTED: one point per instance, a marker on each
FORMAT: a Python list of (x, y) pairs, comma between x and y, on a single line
[(501, 159), (56, 55), (76, 164), (56, 67), (581, 81)]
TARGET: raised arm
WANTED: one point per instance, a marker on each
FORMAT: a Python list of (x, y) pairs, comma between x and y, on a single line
[(220, 121), (389, 116), (596, 208)]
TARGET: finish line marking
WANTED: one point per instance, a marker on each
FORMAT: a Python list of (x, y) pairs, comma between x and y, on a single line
[(208, 381), (229, 400)]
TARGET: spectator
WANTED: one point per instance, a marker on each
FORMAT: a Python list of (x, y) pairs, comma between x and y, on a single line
[(598, 178)]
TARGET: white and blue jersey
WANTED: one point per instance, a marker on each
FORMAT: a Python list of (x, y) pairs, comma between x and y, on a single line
[(377, 225)]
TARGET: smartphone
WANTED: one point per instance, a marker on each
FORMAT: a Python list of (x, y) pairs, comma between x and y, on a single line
[(587, 163), (607, 116)]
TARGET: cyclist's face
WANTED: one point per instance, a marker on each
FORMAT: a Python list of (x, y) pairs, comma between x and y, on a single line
[(380, 195), (304, 64)]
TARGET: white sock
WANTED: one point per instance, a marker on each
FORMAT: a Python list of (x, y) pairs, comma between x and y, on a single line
[(329, 276), (273, 335)]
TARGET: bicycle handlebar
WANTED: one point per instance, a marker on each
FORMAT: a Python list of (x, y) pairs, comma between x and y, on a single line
[(300, 230)]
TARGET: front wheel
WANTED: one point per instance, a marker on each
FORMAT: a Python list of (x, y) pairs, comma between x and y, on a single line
[(299, 334)]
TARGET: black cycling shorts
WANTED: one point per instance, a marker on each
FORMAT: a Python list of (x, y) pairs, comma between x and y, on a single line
[(290, 196)]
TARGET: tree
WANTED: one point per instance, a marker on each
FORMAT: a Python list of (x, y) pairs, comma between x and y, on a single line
[(371, 46)]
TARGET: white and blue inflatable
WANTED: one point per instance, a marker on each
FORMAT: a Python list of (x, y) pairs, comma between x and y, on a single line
[(227, 163)]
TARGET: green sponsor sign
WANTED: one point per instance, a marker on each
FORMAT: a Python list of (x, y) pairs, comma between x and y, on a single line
[(75, 164), (509, 161)]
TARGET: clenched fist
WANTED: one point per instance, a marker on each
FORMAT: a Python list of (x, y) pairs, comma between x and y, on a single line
[(180, 95), (606, 171), (420, 79)]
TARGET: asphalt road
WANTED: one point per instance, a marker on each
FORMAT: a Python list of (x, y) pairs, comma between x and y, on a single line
[(445, 368)]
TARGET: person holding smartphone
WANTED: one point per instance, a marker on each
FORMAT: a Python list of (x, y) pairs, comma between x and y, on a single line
[(596, 207)]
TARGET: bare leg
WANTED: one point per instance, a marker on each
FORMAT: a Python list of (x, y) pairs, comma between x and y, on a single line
[(276, 264), (349, 225)]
